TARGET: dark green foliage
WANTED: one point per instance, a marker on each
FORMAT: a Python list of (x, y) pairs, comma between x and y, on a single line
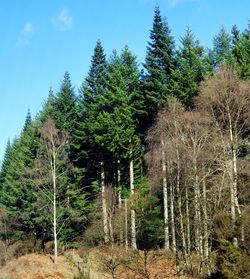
[(16, 185), (159, 65), (148, 210), (222, 51), (65, 106), (190, 69), (232, 262), (94, 83), (90, 154), (241, 51), (27, 122), (115, 126)]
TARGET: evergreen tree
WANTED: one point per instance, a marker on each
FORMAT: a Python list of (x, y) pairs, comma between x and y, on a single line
[(94, 83), (65, 105), (159, 65), (5, 163), (190, 69), (242, 51), (27, 122), (89, 153), (222, 49), (115, 124), (48, 109), (17, 193)]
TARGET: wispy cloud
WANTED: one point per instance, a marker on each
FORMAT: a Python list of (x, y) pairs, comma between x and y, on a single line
[(177, 2), (25, 34), (63, 20)]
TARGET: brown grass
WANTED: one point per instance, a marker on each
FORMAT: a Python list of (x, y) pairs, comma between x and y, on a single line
[(35, 266)]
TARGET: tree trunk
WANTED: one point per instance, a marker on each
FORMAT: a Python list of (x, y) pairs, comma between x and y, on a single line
[(133, 229), (183, 236), (126, 222), (111, 234), (205, 229), (53, 170), (165, 200), (172, 217), (119, 196), (104, 205), (233, 176), (188, 224), (197, 214)]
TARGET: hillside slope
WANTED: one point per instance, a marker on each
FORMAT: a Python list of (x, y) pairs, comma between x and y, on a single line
[(34, 266)]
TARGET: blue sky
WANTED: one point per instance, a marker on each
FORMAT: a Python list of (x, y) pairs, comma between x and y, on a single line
[(41, 39)]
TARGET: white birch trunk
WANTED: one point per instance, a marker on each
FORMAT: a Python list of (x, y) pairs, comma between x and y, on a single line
[(53, 172), (165, 200), (205, 229), (183, 236), (188, 224), (197, 215), (233, 176), (126, 222), (104, 206), (172, 217), (133, 228), (119, 196)]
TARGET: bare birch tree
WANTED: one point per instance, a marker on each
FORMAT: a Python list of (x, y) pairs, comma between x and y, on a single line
[(227, 99), (53, 151)]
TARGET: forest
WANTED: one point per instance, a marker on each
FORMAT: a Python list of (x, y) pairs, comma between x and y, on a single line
[(144, 159)]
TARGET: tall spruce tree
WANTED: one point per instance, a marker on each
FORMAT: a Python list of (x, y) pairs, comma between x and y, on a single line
[(94, 83), (116, 125), (5, 163), (28, 121), (91, 154), (65, 105), (17, 194), (241, 51), (222, 49), (159, 65), (190, 69)]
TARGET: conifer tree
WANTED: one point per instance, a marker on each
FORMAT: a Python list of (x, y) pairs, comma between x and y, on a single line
[(5, 163), (222, 49), (17, 192), (190, 69), (241, 51), (65, 105), (94, 83), (116, 125), (90, 154), (159, 65), (28, 121)]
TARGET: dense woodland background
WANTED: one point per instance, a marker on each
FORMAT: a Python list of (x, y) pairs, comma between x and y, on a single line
[(146, 157)]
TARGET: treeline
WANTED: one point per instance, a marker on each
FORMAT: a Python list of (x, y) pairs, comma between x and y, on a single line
[(138, 157)]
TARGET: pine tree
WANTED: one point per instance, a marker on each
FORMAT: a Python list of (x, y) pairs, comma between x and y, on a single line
[(116, 127), (94, 83), (159, 65), (17, 193), (190, 69), (5, 163), (65, 105), (222, 49), (48, 107), (241, 51), (90, 104), (28, 121)]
